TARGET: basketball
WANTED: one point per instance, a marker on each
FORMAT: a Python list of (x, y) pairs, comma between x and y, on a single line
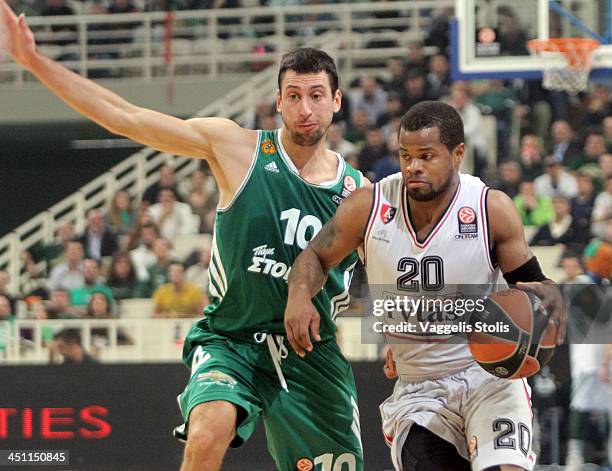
[(511, 338)]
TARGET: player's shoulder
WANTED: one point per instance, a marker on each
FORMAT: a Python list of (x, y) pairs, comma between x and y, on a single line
[(391, 180), (471, 181)]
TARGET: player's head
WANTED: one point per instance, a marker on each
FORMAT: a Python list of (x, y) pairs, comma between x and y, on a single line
[(308, 94), (430, 148)]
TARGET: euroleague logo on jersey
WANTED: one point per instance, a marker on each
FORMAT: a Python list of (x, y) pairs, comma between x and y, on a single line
[(468, 224), (304, 464), (349, 183), (387, 213)]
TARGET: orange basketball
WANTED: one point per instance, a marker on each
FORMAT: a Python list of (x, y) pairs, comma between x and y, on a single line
[(511, 337)]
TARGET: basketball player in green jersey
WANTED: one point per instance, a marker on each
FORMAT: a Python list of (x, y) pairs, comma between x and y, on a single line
[(277, 189)]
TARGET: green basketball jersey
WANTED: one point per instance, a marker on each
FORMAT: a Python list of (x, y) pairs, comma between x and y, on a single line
[(259, 234)]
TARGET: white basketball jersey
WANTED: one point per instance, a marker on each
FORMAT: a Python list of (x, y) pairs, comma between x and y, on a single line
[(456, 252)]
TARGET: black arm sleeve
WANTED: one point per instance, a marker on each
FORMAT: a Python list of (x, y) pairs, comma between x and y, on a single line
[(528, 271)]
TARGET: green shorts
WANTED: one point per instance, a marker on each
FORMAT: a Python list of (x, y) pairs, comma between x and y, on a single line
[(315, 423)]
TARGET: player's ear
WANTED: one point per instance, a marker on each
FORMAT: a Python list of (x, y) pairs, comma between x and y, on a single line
[(337, 100), (458, 153), (278, 100)]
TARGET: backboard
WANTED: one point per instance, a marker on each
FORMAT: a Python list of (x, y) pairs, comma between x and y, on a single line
[(489, 37)]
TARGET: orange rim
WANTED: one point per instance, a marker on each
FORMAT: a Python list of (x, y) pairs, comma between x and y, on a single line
[(576, 50)]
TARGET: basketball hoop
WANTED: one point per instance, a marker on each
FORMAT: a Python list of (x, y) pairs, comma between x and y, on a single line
[(575, 54)]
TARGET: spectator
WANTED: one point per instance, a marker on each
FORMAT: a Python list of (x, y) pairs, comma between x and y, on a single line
[(198, 273), (461, 100), (52, 253), (356, 132), (120, 217), (396, 70), (598, 255), (374, 149), (394, 109), (439, 31), (556, 181), (512, 39), (415, 59), (70, 273), (597, 106), (499, 101), (143, 256), (157, 273), (122, 33), (4, 291), (438, 78), (534, 210), (121, 277), (68, 32), (178, 298), (59, 307), (530, 157), (172, 217), (99, 307), (370, 97), (561, 229), (80, 296), (582, 206), (416, 89), (337, 143), (564, 146), (602, 210), (198, 193), (98, 241), (605, 165), (388, 164), (509, 178), (263, 111), (594, 147), (167, 180), (41, 312), (68, 350)]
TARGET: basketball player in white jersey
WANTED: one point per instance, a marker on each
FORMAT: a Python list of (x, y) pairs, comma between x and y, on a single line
[(432, 226)]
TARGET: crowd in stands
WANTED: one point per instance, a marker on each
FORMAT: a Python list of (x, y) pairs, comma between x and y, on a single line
[(553, 158)]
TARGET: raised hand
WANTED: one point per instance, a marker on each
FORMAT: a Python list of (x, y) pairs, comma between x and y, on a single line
[(15, 36)]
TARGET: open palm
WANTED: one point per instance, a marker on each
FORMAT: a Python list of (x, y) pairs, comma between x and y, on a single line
[(15, 36)]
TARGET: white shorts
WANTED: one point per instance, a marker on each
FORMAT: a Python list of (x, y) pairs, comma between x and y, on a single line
[(488, 419)]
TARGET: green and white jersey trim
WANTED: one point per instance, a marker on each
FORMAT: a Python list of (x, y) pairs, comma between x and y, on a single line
[(217, 277), (246, 178), (341, 301)]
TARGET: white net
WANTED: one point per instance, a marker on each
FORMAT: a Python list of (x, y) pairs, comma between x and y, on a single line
[(566, 62), (566, 79)]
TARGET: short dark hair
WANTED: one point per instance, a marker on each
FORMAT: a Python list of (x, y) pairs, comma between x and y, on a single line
[(309, 61), (430, 114), (72, 336)]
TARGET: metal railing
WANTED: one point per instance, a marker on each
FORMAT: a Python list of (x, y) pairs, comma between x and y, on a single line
[(213, 42)]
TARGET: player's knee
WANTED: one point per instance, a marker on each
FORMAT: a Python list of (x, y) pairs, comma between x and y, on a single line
[(211, 424)]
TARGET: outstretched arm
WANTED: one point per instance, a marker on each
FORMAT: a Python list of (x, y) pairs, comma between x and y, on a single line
[(194, 137), (516, 260), (337, 239)]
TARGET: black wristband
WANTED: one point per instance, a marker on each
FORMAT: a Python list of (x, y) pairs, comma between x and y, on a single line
[(528, 271)]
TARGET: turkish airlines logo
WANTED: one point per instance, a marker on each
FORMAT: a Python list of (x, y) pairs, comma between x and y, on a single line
[(387, 213)]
